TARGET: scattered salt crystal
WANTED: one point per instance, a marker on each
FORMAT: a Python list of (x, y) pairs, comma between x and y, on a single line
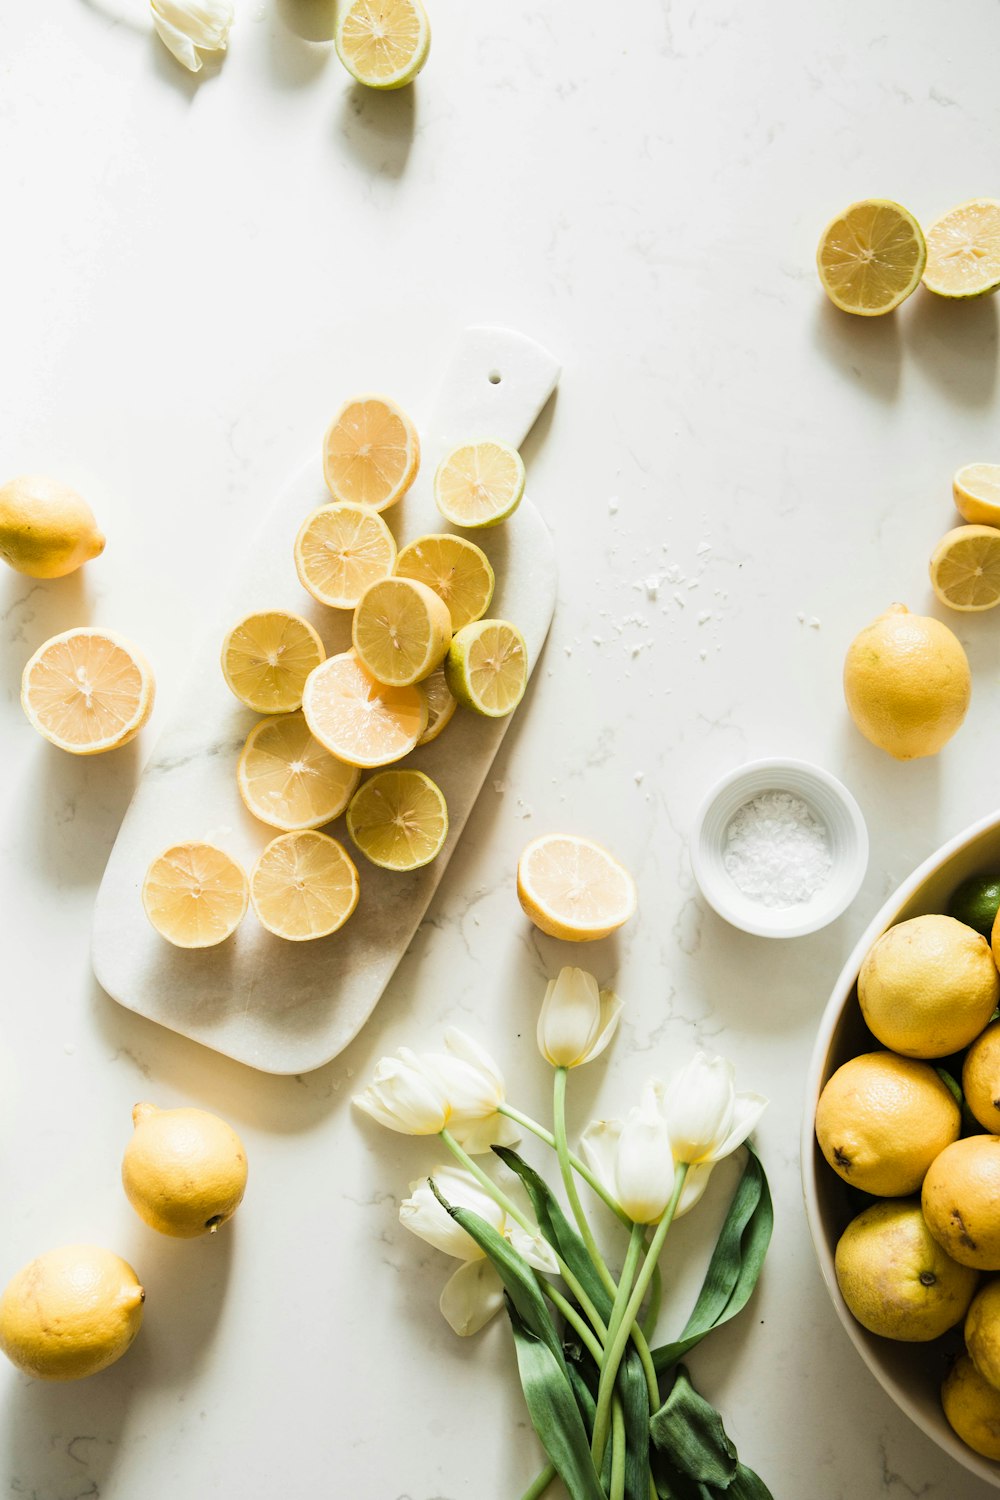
[(652, 586), (814, 623), (801, 618), (704, 617), (703, 655), (674, 574), (679, 599), (638, 777), (703, 547), (692, 583), (613, 506), (568, 650), (777, 850), (597, 640)]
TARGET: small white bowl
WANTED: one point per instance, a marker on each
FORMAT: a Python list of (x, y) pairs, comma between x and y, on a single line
[(833, 805)]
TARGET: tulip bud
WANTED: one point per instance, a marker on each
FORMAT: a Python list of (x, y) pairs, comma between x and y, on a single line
[(190, 27), (577, 1020)]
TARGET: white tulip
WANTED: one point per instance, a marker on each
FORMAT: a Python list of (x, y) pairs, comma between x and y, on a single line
[(706, 1117), (403, 1098), (633, 1160), (473, 1085), (190, 27), (471, 1297), (577, 1019)]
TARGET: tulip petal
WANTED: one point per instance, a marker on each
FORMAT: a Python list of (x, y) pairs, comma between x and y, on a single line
[(698, 1106), (425, 1215), (402, 1098), (695, 1183), (611, 1009), (184, 26), (747, 1110), (177, 43), (570, 1018), (644, 1169), (534, 1248), (599, 1144), (479, 1136), (471, 1297)]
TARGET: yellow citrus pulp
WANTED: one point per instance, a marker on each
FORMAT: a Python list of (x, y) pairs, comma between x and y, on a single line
[(871, 257), (963, 250), (487, 667), (399, 819), (195, 895), (383, 43), (88, 690), (401, 631), (965, 568), (371, 453), (288, 779), (976, 488), (457, 570), (572, 888), (441, 705), (340, 551), (479, 484), (303, 886), (358, 719), (267, 657)]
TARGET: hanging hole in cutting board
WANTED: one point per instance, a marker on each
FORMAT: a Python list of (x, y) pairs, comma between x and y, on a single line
[(494, 377)]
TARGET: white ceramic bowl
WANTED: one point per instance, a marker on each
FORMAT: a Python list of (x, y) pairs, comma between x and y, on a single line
[(832, 803), (911, 1373)]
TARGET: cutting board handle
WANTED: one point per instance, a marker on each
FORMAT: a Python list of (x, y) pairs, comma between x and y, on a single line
[(496, 384)]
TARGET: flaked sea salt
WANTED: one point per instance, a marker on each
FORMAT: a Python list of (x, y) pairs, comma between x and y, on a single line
[(777, 850)]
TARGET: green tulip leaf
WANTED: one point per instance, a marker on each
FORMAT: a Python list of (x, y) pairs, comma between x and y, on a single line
[(691, 1431), (554, 1413), (635, 1406)]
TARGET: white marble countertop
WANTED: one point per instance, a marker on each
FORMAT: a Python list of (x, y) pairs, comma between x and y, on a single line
[(196, 272)]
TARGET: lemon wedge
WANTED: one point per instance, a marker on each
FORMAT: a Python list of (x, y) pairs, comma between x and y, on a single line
[(441, 705)]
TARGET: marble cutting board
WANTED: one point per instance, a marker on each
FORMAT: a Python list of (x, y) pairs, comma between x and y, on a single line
[(290, 1007)]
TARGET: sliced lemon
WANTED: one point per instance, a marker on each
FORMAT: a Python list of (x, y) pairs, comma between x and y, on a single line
[(871, 257), (303, 886), (457, 570), (401, 631), (288, 779), (383, 43), (195, 895), (358, 719), (266, 659), (371, 453), (487, 667), (963, 250), (574, 889), (340, 551), (441, 705), (977, 493), (88, 690), (399, 819), (965, 568), (479, 484)]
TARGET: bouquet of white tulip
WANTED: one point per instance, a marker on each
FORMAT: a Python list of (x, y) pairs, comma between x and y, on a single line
[(618, 1420)]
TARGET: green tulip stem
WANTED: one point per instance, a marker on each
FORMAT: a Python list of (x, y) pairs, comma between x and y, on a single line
[(511, 1208), (576, 1162), (617, 1488), (621, 1321), (569, 1182), (536, 1489), (594, 1346)]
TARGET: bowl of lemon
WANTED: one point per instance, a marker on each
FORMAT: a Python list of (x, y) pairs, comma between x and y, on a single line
[(901, 1148)]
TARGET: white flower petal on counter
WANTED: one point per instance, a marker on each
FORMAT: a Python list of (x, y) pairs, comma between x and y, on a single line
[(577, 1019), (471, 1297), (189, 27), (425, 1215)]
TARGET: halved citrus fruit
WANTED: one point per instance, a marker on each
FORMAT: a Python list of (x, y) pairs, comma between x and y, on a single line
[(288, 779), (871, 257), (457, 570), (88, 690), (441, 705), (976, 488), (479, 484), (574, 889), (340, 551), (487, 667), (963, 250), (371, 453), (965, 568), (383, 43), (359, 719), (401, 631), (303, 886), (398, 819), (267, 657), (195, 895)]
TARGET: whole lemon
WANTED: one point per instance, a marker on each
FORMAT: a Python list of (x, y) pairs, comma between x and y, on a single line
[(184, 1170), (928, 986), (961, 1201), (981, 1078), (982, 1332), (907, 683), (895, 1277), (46, 529), (70, 1313), (882, 1119), (972, 1407)]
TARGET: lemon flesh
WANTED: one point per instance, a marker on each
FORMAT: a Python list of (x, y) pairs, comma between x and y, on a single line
[(401, 631), (340, 551), (70, 1313), (487, 667), (963, 250), (383, 43), (371, 451), (573, 889), (976, 488), (871, 257), (965, 568), (267, 657), (358, 719), (441, 705), (399, 820), (882, 1119), (456, 569), (304, 886), (46, 529), (896, 1279), (88, 691), (195, 895), (907, 683), (972, 1407), (479, 484), (184, 1170), (288, 779), (928, 986)]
